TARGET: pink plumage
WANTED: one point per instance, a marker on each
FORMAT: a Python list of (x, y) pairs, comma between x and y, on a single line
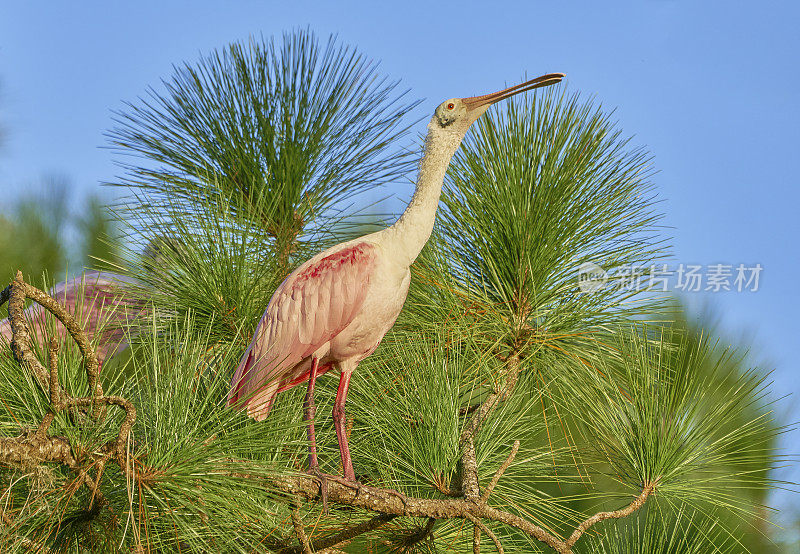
[(308, 311), (317, 319), (99, 301)]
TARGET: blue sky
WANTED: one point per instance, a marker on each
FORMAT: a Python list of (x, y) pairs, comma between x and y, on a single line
[(711, 90)]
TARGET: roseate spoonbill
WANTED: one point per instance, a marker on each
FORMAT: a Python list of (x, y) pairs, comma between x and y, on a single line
[(333, 310), (98, 300)]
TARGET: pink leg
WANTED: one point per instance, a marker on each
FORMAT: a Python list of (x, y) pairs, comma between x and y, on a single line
[(339, 424), (310, 412)]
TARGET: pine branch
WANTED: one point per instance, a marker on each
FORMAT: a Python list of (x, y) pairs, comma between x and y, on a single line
[(389, 502), (480, 526), (616, 514), (21, 344), (499, 473), (469, 465), (33, 449), (39, 447), (297, 521), (512, 369)]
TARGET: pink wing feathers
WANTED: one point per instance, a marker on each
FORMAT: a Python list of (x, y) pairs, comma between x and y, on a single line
[(314, 304)]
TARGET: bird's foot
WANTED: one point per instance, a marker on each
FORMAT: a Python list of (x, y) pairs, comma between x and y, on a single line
[(349, 483), (359, 487), (403, 498), (323, 485)]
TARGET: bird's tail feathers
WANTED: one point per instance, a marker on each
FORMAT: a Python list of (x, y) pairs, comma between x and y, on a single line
[(240, 377), (260, 404)]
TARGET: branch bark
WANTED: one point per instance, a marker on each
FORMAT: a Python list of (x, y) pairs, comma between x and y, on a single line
[(616, 514), (512, 369), (21, 344), (388, 502), (500, 471), (297, 521), (481, 526)]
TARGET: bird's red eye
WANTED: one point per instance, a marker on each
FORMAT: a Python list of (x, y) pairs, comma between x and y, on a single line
[(450, 106)]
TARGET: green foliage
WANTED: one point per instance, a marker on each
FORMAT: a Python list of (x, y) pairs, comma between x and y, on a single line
[(30, 236), (195, 449), (215, 267), (657, 532), (244, 160), (303, 125), (542, 185), (250, 156), (187, 491), (675, 412)]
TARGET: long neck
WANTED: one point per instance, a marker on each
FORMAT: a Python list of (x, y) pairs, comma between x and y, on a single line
[(410, 233)]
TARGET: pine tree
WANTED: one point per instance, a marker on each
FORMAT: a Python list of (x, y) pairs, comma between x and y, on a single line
[(508, 410)]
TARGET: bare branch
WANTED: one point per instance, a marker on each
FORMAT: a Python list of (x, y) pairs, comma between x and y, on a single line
[(21, 344), (469, 467), (55, 393), (32, 450), (299, 529), (386, 501), (512, 369), (499, 473), (616, 514), (90, 361), (125, 428), (479, 525)]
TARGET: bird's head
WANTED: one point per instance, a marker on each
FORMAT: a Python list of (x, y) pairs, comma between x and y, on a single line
[(457, 114)]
